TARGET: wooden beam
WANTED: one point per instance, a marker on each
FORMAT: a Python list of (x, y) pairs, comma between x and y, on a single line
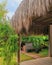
[(19, 45), (50, 45)]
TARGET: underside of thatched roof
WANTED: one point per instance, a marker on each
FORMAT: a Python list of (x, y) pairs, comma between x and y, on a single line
[(30, 10)]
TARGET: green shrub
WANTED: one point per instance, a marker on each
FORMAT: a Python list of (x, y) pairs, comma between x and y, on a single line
[(8, 42), (38, 41)]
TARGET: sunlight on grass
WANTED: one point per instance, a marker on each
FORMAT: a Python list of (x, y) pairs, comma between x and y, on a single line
[(1, 61), (25, 57), (14, 59), (43, 53)]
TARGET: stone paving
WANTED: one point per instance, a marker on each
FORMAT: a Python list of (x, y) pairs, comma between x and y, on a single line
[(40, 61)]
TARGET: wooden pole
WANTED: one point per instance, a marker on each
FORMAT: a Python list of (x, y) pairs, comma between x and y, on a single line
[(50, 44), (19, 42)]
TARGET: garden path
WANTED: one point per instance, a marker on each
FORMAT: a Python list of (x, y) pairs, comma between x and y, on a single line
[(33, 55), (40, 61)]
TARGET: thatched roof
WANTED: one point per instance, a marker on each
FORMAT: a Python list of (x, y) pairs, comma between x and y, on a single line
[(27, 10)]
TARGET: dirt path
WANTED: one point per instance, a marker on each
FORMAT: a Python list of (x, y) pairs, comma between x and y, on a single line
[(33, 55)]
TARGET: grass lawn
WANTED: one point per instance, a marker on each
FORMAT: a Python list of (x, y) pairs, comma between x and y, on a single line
[(1, 61), (43, 53), (25, 57), (14, 59)]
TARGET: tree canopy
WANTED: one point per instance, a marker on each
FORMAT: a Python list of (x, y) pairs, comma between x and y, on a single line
[(3, 10)]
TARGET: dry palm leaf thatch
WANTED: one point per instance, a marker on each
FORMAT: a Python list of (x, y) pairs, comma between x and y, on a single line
[(28, 9)]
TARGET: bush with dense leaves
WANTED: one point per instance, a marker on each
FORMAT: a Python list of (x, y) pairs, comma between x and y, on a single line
[(8, 38), (8, 42), (38, 41)]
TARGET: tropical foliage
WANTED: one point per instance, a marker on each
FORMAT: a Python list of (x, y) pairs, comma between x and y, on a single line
[(38, 41), (8, 38), (8, 42)]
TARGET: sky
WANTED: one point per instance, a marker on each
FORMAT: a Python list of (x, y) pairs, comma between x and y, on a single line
[(12, 5)]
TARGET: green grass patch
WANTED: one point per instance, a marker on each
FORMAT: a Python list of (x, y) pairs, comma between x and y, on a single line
[(25, 57), (43, 53), (14, 59)]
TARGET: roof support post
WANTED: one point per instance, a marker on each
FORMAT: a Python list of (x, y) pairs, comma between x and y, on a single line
[(50, 44), (19, 45)]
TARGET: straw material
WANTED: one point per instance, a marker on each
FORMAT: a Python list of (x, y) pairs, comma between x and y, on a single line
[(27, 10)]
